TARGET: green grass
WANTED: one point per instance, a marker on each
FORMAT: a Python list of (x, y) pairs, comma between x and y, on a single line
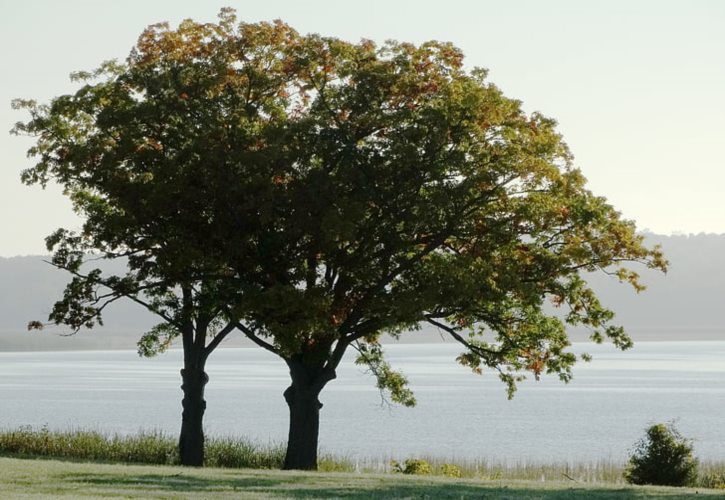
[(227, 452), (33, 478)]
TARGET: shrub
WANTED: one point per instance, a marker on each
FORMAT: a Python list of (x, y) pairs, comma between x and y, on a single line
[(330, 463), (713, 480), (662, 457), (450, 470), (412, 466)]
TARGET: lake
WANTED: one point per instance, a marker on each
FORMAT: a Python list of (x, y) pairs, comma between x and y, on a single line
[(599, 415)]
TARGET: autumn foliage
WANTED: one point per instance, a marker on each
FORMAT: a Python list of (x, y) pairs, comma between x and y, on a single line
[(318, 193)]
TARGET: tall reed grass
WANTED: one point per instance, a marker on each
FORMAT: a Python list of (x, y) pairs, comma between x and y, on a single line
[(600, 471), (145, 448)]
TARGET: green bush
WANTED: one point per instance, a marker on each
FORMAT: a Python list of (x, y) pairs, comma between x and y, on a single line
[(662, 457), (450, 470), (412, 466)]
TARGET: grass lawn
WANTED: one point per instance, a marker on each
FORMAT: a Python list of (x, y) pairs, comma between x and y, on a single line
[(21, 478)]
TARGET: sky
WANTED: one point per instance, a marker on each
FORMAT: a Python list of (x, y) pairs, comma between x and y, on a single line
[(637, 87)]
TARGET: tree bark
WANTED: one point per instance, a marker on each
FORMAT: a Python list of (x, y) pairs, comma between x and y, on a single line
[(191, 437), (304, 408), (304, 426)]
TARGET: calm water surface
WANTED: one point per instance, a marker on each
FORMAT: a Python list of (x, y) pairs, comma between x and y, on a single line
[(459, 415)]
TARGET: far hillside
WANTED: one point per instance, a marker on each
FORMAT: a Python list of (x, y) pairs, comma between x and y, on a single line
[(685, 304), (690, 298)]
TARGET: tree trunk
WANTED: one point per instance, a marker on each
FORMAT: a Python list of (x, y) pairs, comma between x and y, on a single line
[(191, 438), (304, 426)]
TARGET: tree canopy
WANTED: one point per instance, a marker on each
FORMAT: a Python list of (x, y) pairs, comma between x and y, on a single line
[(322, 193)]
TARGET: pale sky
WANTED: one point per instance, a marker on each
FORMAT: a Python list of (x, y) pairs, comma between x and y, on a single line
[(637, 86)]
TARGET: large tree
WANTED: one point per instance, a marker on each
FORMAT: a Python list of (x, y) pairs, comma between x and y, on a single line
[(418, 194), (338, 191), (147, 150)]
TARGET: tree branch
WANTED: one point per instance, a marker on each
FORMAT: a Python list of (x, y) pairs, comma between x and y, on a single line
[(254, 338), (221, 335), (336, 356), (127, 295), (484, 353)]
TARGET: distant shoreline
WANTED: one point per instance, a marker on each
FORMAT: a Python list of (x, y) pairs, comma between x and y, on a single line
[(126, 341)]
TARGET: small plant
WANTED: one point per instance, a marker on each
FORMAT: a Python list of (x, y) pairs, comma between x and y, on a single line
[(662, 457), (412, 466), (450, 470), (330, 463), (495, 476), (713, 480)]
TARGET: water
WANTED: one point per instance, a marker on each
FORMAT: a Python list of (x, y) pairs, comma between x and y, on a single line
[(459, 415)]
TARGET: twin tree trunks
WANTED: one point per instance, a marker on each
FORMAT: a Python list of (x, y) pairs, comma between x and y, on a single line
[(302, 399)]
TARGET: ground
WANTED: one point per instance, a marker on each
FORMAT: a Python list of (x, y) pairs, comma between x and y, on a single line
[(55, 479)]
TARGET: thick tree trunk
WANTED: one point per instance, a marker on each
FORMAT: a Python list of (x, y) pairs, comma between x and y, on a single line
[(304, 427), (191, 438)]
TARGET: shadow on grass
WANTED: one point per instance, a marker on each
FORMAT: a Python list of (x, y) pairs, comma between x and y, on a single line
[(174, 482), (309, 486)]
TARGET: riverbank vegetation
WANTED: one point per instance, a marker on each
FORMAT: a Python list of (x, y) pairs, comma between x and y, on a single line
[(156, 448)]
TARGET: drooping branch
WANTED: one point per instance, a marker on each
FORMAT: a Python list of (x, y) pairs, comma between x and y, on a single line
[(373, 369), (487, 354), (256, 339), (371, 355), (84, 320), (131, 295)]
